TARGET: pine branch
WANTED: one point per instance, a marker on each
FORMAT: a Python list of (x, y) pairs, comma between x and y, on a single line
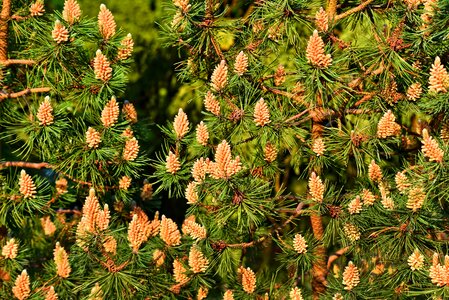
[(352, 10), (24, 164), (335, 256), (23, 92), (4, 26), (8, 62)]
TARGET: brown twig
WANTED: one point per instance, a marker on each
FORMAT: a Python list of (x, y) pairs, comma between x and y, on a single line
[(9, 62), (24, 92), (24, 164), (335, 256), (353, 10)]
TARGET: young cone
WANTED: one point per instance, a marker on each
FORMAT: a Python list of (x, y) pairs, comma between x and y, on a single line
[(241, 63), (248, 280), (129, 111), (195, 230), (169, 232), (21, 289), (131, 149), (219, 78), (45, 113), (106, 22), (197, 262), (48, 226), (439, 78), (93, 138), (374, 172), (351, 276), (26, 185), (179, 272), (295, 294), (124, 183), (224, 166), (102, 67), (315, 52), (316, 188), (110, 113), (414, 91), (319, 147), (321, 20), (71, 12), (126, 47), (37, 8), (416, 260), (158, 257), (172, 163), (270, 152), (51, 294), (228, 295), (181, 124), (60, 34), (299, 244), (430, 147), (61, 259), (199, 169), (10, 249), (387, 126), (211, 103), (416, 197), (261, 113), (202, 134)]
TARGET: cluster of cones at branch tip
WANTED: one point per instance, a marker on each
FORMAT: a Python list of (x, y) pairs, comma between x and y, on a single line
[(95, 218)]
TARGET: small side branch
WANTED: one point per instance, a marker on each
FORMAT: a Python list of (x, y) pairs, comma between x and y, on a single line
[(24, 164), (8, 62), (335, 256), (23, 93), (353, 10)]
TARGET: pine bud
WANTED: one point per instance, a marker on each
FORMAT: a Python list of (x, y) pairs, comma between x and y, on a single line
[(45, 112), (337, 296), (350, 276), (351, 232), (131, 149), (202, 293), (387, 203), (219, 78), (51, 294), (127, 133), (126, 48), (241, 63), (387, 126), (270, 152), (102, 218), (279, 75), (93, 138), (315, 52), (300, 244), (37, 8), (136, 233), (355, 206), (124, 183), (191, 194), (61, 186), (261, 113), (248, 280), (179, 272), (71, 12), (197, 262), (316, 188), (319, 147), (106, 22), (199, 169), (48, 226), (195, 230), (368, 197), (172, 163), (182, 4), (211, 103), (228, 295), (110, 113), (321, 20), (416, 260), (169, 232), (10, 249), (21, 289), (60, 33), (110, 245), (414, 91), (416, 197), (147, 191), (26, 185), (159, 257), (295, 294), (444, 134), (439, 79), (202, 134), (430, 147), (102, 67), (402, 183), (374, 172), (96, 293), (224, 166), (130, 112), (61, 259)]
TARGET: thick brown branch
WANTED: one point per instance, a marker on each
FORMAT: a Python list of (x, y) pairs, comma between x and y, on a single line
[(353, 10), (9, 62), (4, 18), (23, 93), (24, 164)]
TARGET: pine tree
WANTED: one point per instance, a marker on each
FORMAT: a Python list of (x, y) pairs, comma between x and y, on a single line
[(317, 171)]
